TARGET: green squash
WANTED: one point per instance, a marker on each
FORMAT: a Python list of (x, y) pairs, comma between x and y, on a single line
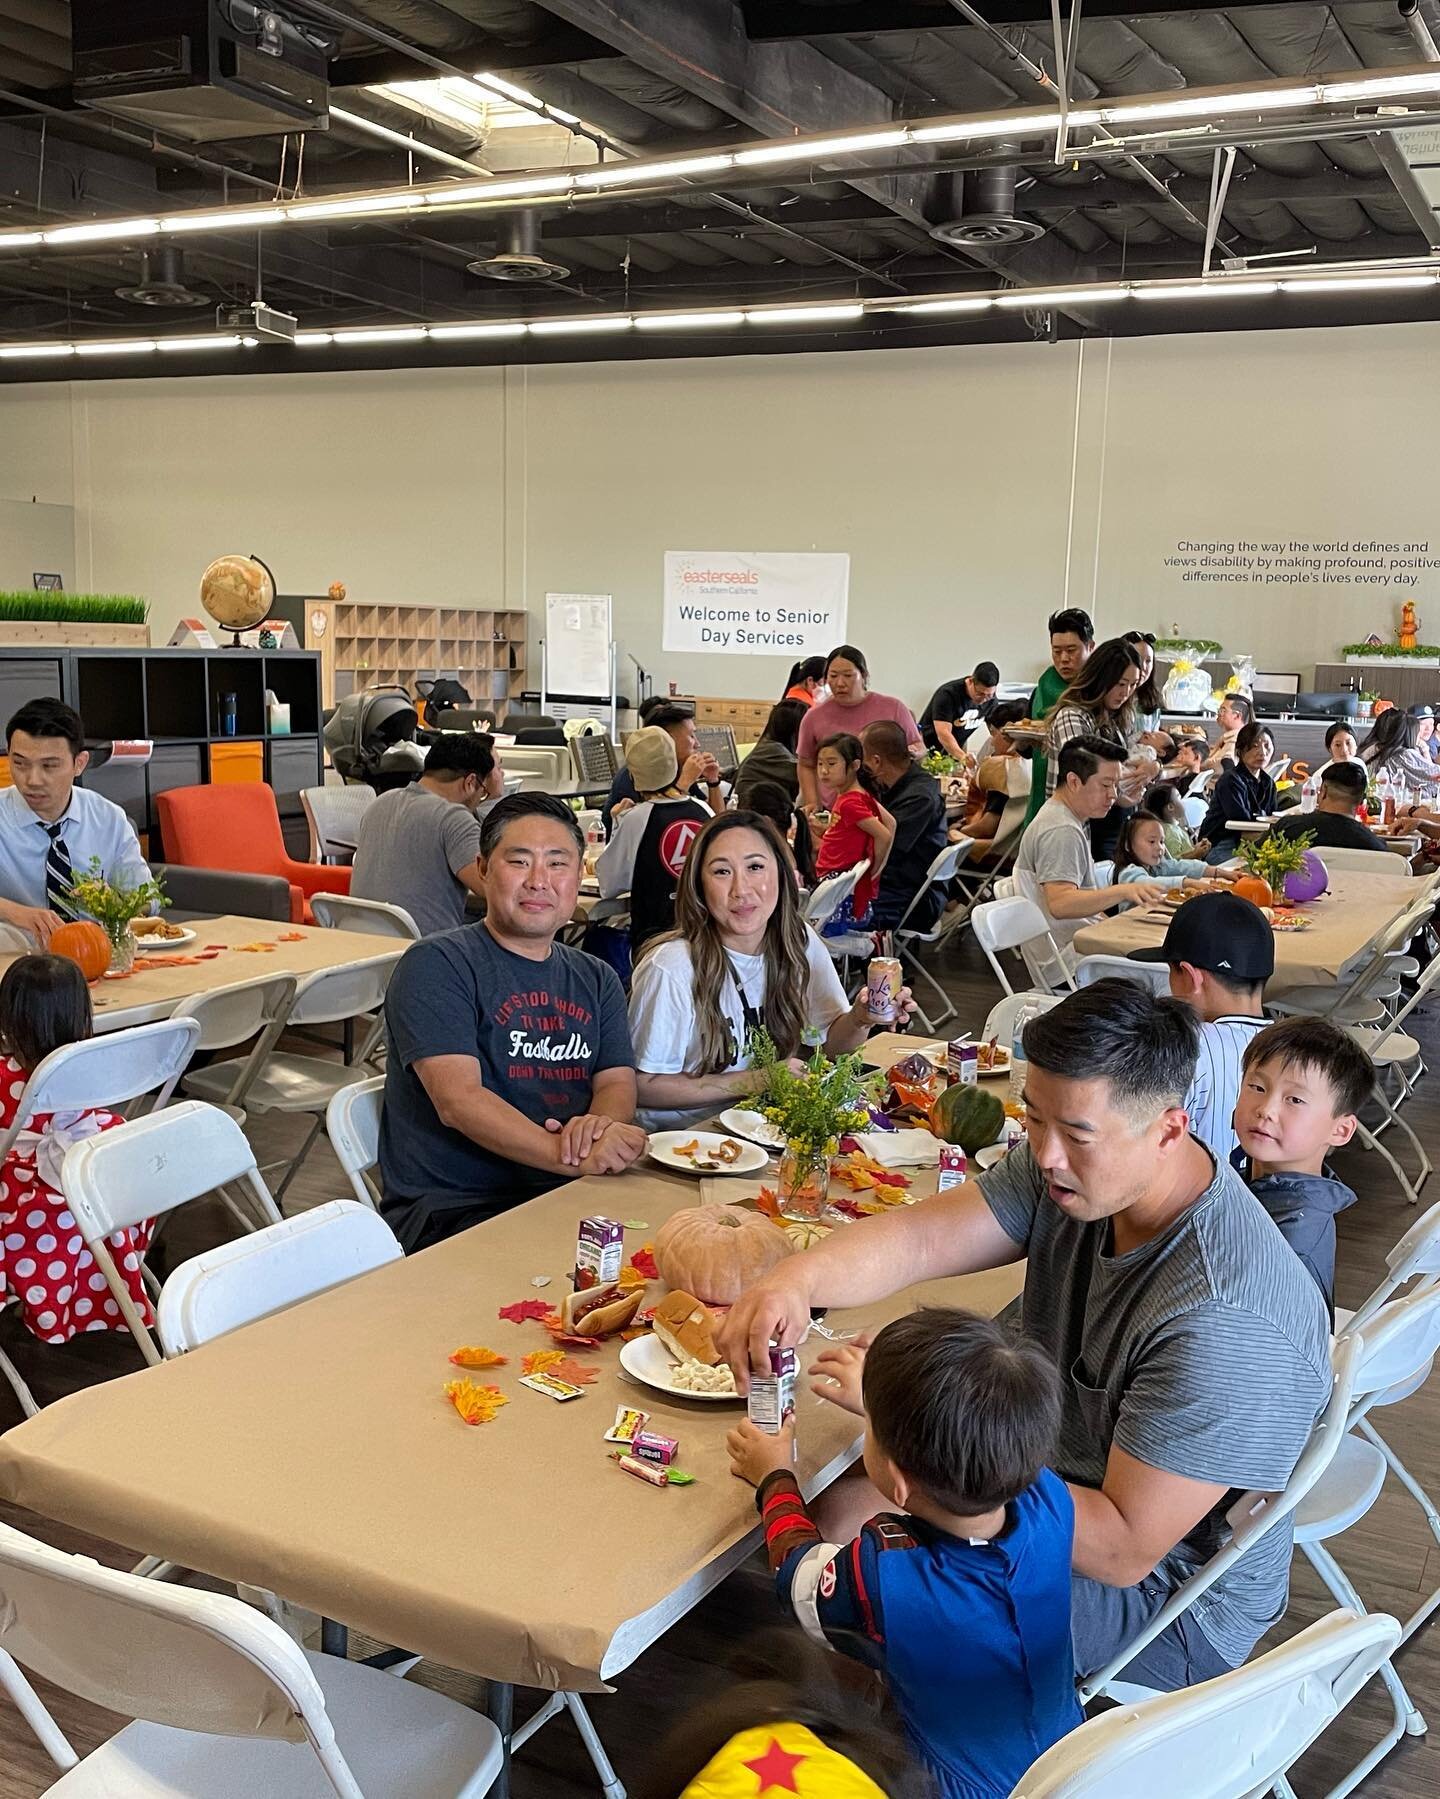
[(973, 1117)]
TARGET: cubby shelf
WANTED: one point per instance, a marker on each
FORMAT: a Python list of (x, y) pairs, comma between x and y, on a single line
[(364, 645)]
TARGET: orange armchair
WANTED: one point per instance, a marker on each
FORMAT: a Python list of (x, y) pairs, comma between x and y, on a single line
[(236, 826)]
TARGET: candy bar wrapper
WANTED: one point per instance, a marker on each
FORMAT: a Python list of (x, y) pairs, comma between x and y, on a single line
[(650, 1446), (657, 1477), (628, 1420), (552, 1388)]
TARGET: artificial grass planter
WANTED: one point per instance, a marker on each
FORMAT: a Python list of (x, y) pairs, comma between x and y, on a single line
[(72, 608)]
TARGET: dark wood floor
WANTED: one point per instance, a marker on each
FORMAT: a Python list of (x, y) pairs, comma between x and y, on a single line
[(1390, 1554)]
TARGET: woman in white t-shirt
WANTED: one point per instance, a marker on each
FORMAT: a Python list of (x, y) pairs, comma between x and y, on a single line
[(741, 958)]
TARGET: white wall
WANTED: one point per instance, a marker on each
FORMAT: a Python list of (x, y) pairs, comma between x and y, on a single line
[(955, 478)]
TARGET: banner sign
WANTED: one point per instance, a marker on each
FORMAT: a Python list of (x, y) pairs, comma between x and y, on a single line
[(756, 602)]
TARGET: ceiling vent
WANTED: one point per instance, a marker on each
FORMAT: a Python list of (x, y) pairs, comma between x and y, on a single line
[(987, 217), (162, 281), (517, 256)]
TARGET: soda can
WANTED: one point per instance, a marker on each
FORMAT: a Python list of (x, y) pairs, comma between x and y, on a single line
[(952, 1166), (883, 981), (772, 1397)]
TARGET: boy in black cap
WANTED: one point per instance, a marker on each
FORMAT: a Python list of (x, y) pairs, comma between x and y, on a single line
[(1220, 951)]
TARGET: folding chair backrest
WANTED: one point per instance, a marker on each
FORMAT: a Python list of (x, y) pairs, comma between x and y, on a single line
[(108, 1070), (1000, 1025), (352, 1123), (252, 1276), (1154, 975), (168, 1654), (1105, 873), (1399, 1339), (1194, 806), (830, 894), (1243, 1729), (940, 873), (1370, 862), (230, 1015), (595, 757), (376, 918), (331, 995)]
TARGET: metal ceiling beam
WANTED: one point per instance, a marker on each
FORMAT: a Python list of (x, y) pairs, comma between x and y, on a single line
[(1261, 187), (559, 45), (787, 20)]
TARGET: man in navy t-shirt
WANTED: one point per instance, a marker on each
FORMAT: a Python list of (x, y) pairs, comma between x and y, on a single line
[(510, 1067)]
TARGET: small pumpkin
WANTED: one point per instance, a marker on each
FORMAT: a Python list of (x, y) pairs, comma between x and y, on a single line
[(971, 1116), (1256, 890), (716, 1252), (84, 944)]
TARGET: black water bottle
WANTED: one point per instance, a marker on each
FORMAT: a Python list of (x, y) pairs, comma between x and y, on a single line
[(227, 714)]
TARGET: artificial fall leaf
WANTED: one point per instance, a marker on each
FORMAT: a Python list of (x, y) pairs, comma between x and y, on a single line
[(523, 1309), (768, 1202), (579, 1374), (631, 1278), (859, 1171), (476, 1405), (540, 1359), (847, 1207), (635, 1330), (292, 937), (643, 1261), (555, 1324), (475, 1357)]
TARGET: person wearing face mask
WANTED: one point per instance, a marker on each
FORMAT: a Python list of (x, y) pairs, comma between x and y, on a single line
[(419, 845), (1072, 638), (851, 707), (740, 959), (1193, 1346)]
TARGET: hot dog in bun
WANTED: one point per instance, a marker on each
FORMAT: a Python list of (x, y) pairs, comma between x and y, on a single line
[(600, 1311)]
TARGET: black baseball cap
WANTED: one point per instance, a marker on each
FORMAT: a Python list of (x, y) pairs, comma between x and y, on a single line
[(1220, 933)]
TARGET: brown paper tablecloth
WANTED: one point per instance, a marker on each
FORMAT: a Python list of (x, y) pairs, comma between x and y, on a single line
[(151, 992), (1345, 922), (314, 1453)]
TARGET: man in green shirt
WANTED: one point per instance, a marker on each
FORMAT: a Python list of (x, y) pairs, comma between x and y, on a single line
[(1072, 637)]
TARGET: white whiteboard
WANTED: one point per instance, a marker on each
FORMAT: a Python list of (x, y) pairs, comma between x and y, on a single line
[(577, 644)]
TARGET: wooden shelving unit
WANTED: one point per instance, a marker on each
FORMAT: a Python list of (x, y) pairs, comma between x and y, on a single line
[(364, 645)]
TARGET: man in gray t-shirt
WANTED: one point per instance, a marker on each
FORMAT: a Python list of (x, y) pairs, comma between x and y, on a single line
[(419, 845), (1193, 1345)]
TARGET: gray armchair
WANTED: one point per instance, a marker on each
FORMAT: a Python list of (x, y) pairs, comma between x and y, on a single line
[(217, 890)]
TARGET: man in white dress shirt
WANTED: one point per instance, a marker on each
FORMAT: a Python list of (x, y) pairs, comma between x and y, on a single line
[(50, 829)]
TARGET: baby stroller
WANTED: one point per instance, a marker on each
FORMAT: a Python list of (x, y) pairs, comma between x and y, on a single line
[(371, 739)]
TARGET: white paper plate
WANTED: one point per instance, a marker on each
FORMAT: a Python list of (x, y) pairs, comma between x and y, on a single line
[(166, 942), (1001, 1066), (989, 1156), (752, 1126), (663, 1145), (648, 1360)]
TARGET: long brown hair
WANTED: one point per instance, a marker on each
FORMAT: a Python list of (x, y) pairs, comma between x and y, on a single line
[(787, 969), (1104, 670)]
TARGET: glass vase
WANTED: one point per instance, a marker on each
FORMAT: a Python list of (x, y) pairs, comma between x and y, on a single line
[(122, 946), (804, 1182)]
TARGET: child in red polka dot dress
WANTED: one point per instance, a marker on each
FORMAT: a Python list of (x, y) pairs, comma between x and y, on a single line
[(45, 1267)]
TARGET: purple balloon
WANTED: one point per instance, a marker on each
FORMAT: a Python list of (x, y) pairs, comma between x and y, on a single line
[(1308, 881)]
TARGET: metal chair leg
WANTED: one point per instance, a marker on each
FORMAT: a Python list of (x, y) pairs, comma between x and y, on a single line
[(27, 1702), (947, 1007), (610, 1783), (316, 1127), (18, 1386), (1371, 1141), (1392, 1116), (1427, 1505)]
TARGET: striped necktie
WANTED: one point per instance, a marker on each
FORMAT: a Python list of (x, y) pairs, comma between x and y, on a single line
[(59, 875)]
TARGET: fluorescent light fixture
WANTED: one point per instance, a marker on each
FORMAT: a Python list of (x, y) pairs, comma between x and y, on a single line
[(613, 174), (1337, 284), (307, 340), (526, 98), (512, 329), (382, 334), (804, 315), (819, 149), (239, 218), (1212, 105), (10, 351), (688, 321), (120, 346), (1205, 290), (208, 340), (1060, 296), (1028, 125), (20, 240), (1380, 87), (555, 327), (533, 186), (356, 207), (961, 303), (101, 228)]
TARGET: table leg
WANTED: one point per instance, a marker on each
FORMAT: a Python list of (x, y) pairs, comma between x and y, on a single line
[(334, 1639), (500, 1710)]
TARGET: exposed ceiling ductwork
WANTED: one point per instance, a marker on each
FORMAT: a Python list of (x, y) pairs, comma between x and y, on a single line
[(987, 215), (517, 256), (162, 281)]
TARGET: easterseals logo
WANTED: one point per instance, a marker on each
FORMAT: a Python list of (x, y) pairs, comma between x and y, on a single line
[(691, 573), (675, 844)]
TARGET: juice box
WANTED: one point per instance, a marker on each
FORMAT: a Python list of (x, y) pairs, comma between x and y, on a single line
[(772, 1396), (962, 1059), (599, 1251), (952, 1166)]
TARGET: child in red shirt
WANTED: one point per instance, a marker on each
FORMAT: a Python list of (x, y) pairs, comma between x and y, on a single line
[(45, 1267), (860, 829)]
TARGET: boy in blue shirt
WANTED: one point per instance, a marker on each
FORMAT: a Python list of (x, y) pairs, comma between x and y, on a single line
[(962, 1596)]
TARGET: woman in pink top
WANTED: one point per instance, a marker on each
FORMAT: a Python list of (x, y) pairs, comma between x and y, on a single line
[(851, 707)]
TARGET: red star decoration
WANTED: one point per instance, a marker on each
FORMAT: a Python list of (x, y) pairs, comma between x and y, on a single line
[(776, 1768)]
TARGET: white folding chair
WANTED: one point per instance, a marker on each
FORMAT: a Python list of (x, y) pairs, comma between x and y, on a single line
[(1368, 862), (225, 1705), (1105, 873), (1229, 1738), (1011, 924), (1400, 1338), (294, 1083), (376, 918), (352, 1123), (227, 1016), (148, 1167), (334, 815), (1194, 806), (1154, 975), (908, 939), (1250, 1518), (1000, 1025), (272, 1268), (825, 899)]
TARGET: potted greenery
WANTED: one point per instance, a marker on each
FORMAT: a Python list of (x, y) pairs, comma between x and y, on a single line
[(812, 1111), (85, 620), (1269, 859), (1365, 704), (112, 907), (938, 763)]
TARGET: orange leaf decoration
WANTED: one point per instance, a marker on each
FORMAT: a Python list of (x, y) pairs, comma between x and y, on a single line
[(631, 1278), (526, 1308), (635, 1330), (540, 1359), (476, 1405), (579, 1374), (477, 1358), (569, 1339), (768, 1202)]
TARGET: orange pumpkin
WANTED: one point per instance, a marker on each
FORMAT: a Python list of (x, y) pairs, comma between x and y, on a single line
[(1251, 887), (85, 944), (716, 1252)]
